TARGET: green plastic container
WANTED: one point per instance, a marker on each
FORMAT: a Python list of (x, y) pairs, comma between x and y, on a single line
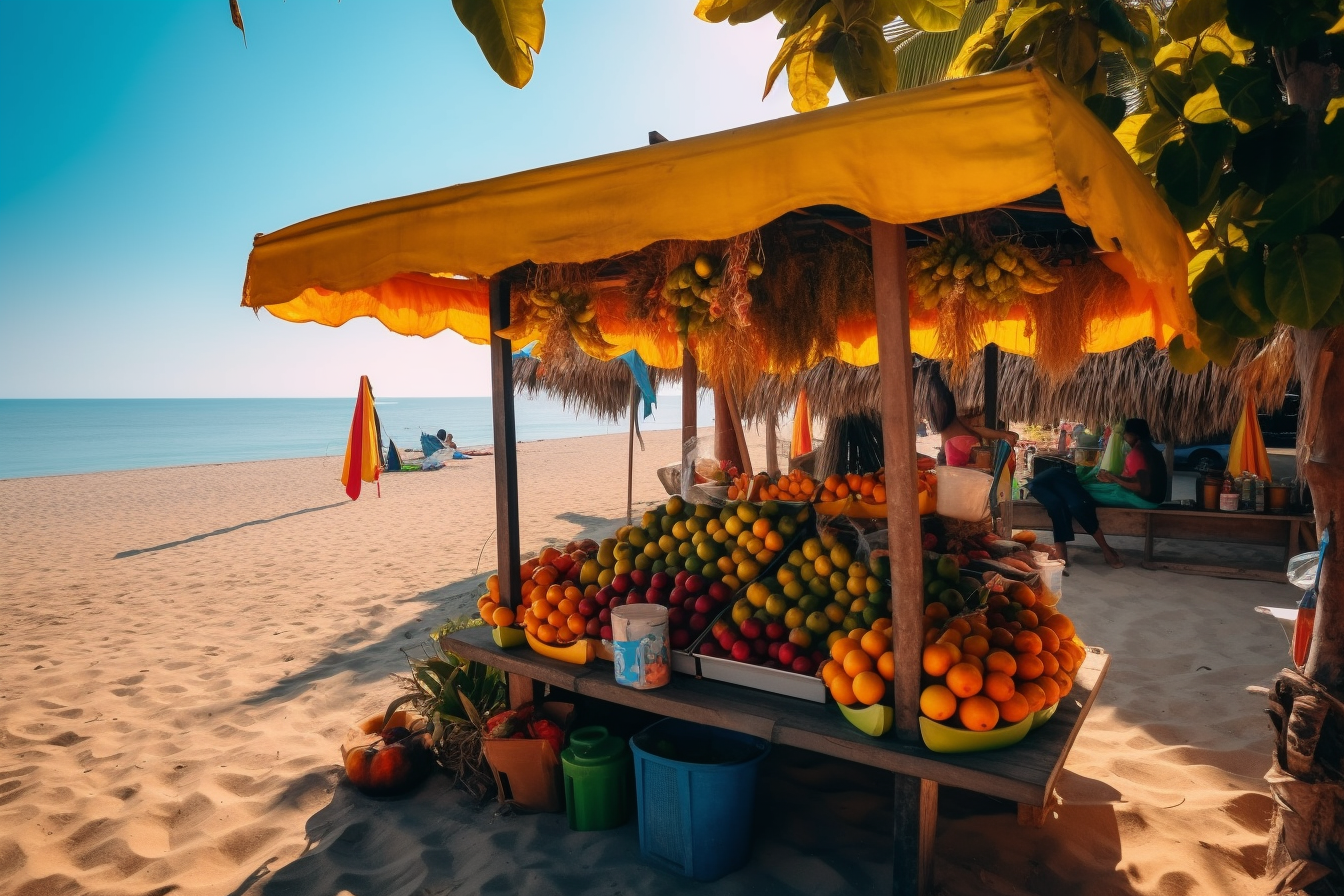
[(597, 774)]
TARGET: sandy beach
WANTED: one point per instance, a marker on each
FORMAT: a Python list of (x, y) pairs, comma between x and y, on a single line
[(184, 648)]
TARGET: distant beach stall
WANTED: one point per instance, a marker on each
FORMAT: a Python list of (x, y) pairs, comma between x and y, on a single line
[(993, 210)]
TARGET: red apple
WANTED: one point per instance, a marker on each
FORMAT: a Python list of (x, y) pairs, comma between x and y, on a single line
[(741, 651), (719, 591), (616, 601), (593, 628), (588, 608), (818, 658), (661, 581), (563, 564), (802, 665), (696, 584), (640, 577), (751, 628), (604, 615), (621, 583), (606, 633), (709, 647), (773, 650), (727, 640), (787, 653), (705, 604), (604, 595), (635, 597), (775, 631), (698, 622), (655, 596), (681, 577), (676, 618), (720, 627), (677, 596), (760, 647)]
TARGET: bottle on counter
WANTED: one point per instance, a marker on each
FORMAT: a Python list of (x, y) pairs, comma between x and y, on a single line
[(1227, 498)]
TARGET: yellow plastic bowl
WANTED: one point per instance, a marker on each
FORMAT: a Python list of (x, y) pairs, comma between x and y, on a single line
[(580, 653), (942, 738), (832, 508), (862, 511), (874, 721), (1041, 716), (508, 636)]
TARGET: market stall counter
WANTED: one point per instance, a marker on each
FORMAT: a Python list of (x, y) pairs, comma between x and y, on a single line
[(1025, 774)]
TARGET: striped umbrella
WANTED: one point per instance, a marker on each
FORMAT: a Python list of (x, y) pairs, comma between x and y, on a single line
[(801, 442), (1248, 446), (362, 460)]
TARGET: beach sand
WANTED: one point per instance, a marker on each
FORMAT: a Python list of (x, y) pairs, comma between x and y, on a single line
[(184, 648)]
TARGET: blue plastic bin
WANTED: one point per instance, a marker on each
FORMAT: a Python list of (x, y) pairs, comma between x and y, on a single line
[(696, 787)]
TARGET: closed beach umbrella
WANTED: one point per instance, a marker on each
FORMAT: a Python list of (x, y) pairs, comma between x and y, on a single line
[(362, 461), (801, 443), (1248, 446)]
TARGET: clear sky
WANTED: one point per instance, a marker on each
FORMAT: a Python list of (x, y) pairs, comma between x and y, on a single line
[(141, 147)]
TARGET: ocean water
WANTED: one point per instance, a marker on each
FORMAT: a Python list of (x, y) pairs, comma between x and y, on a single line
[(47, 437)]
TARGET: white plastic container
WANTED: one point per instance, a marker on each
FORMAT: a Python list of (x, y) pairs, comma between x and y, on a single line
[(963, 493), (1052, 580), (642, 656)]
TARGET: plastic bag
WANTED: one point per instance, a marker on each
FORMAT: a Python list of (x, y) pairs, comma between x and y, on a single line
[(1113, 459)]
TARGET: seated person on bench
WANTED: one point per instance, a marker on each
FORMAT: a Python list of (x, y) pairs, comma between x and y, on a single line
[(1069, 496)]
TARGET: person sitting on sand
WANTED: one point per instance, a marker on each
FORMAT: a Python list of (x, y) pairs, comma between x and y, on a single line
[(959, 434), (447, 439), (1068, 496)]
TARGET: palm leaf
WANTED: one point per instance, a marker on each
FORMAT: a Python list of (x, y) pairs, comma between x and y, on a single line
[(922, 57)]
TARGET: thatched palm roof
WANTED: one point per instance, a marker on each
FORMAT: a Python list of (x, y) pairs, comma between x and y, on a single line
[(583, 383), (1137, 381)]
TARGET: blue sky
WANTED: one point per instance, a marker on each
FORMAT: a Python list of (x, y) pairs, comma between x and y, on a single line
[(141, 147)]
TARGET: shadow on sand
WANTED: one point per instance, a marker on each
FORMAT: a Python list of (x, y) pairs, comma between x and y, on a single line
[(172, 544)]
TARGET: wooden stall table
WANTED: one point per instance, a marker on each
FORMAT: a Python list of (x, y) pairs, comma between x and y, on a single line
[(1025, 773)]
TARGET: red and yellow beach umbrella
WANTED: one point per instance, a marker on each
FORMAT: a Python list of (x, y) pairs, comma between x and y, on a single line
[(801, 443), (1248, 454), (363, 461)]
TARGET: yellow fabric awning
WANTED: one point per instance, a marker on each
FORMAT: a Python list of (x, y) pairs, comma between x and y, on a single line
[(942, 150)]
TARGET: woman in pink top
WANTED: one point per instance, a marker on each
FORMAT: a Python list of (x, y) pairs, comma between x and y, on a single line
[(959, 434)]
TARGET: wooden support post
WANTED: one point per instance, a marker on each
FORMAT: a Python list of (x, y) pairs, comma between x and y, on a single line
[(506, 446), (1031, 816), (522, 690), (630, 460), (690, 398), (916, 805), (1169, 454), (772, 446), (739, 434), (898, 436), (991, 398), (725, 436)]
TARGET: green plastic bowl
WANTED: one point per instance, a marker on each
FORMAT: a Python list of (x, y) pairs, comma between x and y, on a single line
[(874, 721), (509, 636), (1041, 716), (942, 738)]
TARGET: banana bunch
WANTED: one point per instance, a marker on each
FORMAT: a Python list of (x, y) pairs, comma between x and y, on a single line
[(579, 313), (991, 280), (694, 291)]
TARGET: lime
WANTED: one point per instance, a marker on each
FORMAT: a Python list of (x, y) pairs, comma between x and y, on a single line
[(747, 513), (680, 532), (776, 605), (794, 617), (795, 591), (812, 549), (675, 505), (807, 602), (818, 624)]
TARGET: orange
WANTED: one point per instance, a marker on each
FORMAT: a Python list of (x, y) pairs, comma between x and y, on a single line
[(858, 633), (841, 491), (1051, 688), (997, 600), (869, 688), (875, 644), (936, 610), (565, 636), (956, 653), (1001, 637), (492, 584), (829, 670), (1049, 665), (572, 592), (488, 613), (950, 636), (807, 487), (960, 624), (854, 481), (774, 541), (1049, 640), (931, 633), (567, 606), (879, 494), (857, 661), (974, 645), (526, 589), (1065, 660), (1033, 694), (866, 487), (555, 594), (964, 680), (1064, 681), (978, 713), (546, 576), (999, 687), (842, 688), (577, 624), (1062, 626), (938, 703), (886, 665), (937, 660), (1027, 619), (548, 555), (761, 527), (1014, 709), (485, 599), (842, 647), (974, 661), (1027, 642), (1001, 661), (591, 590), (979, 628), (547, 633), (558, 619), (542, 608), (882, 625), (526, 570), (1029, 667), (832, 482), (503, 617)]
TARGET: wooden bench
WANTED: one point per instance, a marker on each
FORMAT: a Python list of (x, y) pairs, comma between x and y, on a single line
[(1275, 529), (1024, 774)]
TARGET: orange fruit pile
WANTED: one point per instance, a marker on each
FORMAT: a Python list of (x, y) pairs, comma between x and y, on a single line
[(860, 666), (551, 593), (986, 670), (870, 488)]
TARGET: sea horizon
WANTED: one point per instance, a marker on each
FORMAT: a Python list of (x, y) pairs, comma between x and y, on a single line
[(66, 436)]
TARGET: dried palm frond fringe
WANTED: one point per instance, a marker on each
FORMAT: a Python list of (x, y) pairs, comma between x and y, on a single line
[(584, 384)]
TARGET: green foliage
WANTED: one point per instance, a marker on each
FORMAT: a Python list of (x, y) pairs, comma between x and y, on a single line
[(508, 32)]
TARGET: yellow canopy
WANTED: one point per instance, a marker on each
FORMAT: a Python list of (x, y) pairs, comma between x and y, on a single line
[(942, 150)]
